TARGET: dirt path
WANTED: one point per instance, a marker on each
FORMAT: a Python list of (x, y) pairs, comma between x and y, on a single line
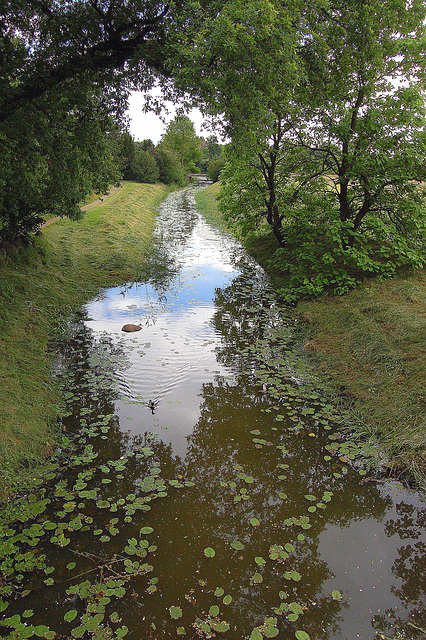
[(87, 207)]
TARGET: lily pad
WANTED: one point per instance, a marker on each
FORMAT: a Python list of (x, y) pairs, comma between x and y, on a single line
[(237, 545), (175, 612)]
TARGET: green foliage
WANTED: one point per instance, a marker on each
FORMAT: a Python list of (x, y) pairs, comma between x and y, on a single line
[(182, 142), (314, 259), (335, 168), (52, 158), (144, 167), (170, 170), (215, 167)]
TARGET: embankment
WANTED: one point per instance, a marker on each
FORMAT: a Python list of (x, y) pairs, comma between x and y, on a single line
[(369, 348), (40, 286)]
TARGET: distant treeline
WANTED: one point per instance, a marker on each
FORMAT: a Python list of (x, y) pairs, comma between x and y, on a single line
[(179, 153)]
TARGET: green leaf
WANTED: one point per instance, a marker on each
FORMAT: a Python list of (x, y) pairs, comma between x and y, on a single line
[(254, 522), (214, 611), (70, 615), (146, 530), (237, 545), (256, 635), (175, 612), (336, 595), (302, 635), (227, 599), (209, 552)]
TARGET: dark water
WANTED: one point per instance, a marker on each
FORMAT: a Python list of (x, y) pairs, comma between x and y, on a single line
[(234, 508)]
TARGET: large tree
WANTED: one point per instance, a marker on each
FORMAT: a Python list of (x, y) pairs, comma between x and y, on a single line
[(65, 72), (336, 166), (181, 140)]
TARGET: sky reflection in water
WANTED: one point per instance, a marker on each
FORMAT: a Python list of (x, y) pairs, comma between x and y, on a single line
[(369, 543)]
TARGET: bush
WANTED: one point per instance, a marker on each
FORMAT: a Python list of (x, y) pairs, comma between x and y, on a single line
[(315, 260), (215, 167), (144, 168), (170, 170)]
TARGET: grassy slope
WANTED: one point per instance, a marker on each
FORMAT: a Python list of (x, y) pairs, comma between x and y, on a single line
[(370, 348), (39, 287)]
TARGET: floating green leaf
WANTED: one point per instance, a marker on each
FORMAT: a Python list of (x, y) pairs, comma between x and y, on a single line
[(214, 611), (302, 635), (254, 522), (336, 595), (237, 545), (175, 612), (70, 615), (146, 530)]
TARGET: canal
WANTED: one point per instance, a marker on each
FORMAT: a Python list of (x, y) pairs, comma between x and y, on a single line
[(210, 492)]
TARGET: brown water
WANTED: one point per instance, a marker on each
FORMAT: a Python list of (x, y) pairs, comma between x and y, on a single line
[(232, 509)]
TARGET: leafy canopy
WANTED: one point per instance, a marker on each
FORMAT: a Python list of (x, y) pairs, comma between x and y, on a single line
[(335, 166)]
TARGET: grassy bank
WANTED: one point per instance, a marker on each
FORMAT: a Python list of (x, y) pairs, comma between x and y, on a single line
[(369, 347), (39, 287)]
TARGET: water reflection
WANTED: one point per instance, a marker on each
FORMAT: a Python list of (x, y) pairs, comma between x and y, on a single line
[(195, 355), (234, 459)]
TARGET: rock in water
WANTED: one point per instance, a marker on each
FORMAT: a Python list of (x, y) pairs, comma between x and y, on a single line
[(129, 328)]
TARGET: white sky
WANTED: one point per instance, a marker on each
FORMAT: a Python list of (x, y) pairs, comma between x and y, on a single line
[(145, 126)]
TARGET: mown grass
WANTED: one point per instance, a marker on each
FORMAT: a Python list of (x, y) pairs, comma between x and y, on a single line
[(207, 205), (369, 347), (40, 286)]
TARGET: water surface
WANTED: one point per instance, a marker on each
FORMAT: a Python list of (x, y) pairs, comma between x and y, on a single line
[(232, 509)]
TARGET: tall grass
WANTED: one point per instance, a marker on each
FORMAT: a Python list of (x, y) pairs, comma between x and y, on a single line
[(40, 286)]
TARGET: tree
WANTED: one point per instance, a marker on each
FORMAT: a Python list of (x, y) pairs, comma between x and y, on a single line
[(143, 166), (215, 167), (170, 171), (53, 154), (65, 73), (336, 166), (181, 140)]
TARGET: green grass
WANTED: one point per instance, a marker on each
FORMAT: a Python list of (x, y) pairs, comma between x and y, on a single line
[(207, 205), (40, 286), (371, 345), (369, 348)]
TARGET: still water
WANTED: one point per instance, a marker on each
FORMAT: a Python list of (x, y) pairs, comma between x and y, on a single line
[(211, 493)]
